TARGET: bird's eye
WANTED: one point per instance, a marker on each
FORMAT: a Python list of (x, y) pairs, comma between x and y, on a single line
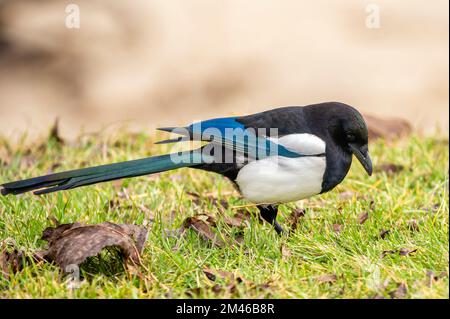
[(350, 137)]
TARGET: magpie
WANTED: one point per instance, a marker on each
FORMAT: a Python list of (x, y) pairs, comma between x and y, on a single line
[(273, 157)]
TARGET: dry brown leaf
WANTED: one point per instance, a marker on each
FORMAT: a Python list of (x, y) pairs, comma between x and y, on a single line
[(401, 252), (406, 251), (295, 217), (384, 233), (204, 229), (239, 220), (337, 228), (389, 168), (328, 278), (363, 218), (400, 292), (11, 262), (73, 243), (431, 277), (195, 197), (213, 274)]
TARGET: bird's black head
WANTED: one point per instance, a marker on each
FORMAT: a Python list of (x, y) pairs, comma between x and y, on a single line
[(346, 127)]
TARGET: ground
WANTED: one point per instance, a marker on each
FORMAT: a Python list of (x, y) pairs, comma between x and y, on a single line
[(384, 236)]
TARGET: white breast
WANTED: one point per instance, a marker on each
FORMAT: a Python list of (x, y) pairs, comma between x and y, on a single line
[(278, 179)]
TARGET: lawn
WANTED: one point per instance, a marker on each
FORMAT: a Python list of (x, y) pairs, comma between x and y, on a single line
[(384, 236)]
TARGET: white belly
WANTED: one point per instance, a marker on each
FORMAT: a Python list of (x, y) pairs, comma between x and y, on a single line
[(280, 179)]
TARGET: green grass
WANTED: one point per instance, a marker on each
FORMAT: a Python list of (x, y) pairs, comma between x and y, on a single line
[(172, 265)]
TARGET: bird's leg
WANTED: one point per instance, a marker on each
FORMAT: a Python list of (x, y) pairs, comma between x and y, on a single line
[(269, 214)]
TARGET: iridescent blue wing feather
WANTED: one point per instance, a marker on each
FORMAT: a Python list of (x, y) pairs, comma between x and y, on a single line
[(231, 134)]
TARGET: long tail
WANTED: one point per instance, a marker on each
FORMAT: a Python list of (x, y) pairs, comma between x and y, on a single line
[(92, 175)]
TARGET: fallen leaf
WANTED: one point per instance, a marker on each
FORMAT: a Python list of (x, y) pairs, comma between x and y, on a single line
[(363, 217), (223, 203), (203, 228), (401, 252), (406, 251), (243, 215), (72, 244), (400, 292), (384, 233), (431, 277), (329, 278), (337, 228), (430, 274), (240, 219), (149, 216), (11, 262), (213, 274), (386, 128), (295, 217), (137, 233), (389, 168), (195, 198)]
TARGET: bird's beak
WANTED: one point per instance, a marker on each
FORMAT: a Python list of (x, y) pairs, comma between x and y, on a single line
[(363, 157)]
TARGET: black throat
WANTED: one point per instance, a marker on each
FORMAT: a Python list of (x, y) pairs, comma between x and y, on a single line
[(338, 164), (338, 158)]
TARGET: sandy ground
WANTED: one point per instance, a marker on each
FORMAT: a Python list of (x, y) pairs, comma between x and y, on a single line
[(148, 63)]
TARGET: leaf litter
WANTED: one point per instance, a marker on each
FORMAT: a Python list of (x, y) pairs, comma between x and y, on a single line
[(389, 168), (226, 282), (363, 218), (202, 225), (11, 261), (401, 252), (384, 233), (295, 218), (72, 244)]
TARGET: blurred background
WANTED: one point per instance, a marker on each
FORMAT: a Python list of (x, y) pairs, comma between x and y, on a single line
[(144, 63)]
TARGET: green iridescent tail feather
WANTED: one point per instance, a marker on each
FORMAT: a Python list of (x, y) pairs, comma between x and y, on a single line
[(97, 174)]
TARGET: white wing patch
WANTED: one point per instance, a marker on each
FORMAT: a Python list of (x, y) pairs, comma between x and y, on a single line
[(277, 179), (307, 144)]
